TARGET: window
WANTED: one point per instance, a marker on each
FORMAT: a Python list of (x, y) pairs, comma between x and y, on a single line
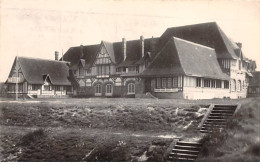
[(239, 85), (198, 82), (131, 88), (98, 88), (89, 71), (57, 88), (218, 83), (239, 64), (226, 84), (206, 83), (158, 83), (163, 82), (233, 85), (35, 87), (81, 71), (47, 88), (108, 88), (213, 83), (169, 82), (103, 69), (175, 82)]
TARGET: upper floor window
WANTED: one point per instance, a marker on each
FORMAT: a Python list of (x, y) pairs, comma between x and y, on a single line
[(81, 71), (103, 69)]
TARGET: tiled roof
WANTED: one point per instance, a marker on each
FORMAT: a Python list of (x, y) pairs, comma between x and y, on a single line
[(208, 34), (180, 57), (34, 70)]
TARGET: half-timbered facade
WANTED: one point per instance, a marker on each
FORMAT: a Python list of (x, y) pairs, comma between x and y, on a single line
[(31, 77)]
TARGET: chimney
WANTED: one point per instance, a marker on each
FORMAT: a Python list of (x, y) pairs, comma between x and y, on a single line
[(124, 47), (81, 50), (142, 45), (152, 45), (239, 44), (56, 55)]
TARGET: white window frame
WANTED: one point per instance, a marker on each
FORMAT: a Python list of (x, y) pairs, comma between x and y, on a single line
[(131, 88), (109, 89)]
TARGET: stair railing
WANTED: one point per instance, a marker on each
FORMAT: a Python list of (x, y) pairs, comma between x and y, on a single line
[(206, 115)]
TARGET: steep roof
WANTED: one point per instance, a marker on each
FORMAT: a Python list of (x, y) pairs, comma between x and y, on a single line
[(208, 34), (180, 57), (133, 52), (34, 70)]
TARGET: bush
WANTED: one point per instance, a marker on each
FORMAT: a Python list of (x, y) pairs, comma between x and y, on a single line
[(31, 137)]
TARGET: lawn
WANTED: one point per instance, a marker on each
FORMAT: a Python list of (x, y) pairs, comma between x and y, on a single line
[(101, 129)]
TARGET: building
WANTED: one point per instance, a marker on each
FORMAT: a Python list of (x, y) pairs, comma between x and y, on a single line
[(30, 77), (192, 62), (254, 85)]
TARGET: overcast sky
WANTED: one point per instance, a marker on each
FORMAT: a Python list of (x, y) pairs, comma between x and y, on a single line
[(37, 28)]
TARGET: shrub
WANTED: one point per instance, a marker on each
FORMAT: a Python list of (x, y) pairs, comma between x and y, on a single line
[(31, 137)]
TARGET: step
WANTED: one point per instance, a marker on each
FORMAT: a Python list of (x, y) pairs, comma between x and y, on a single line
[(216, 123), (193, 148), (222, 111), (224, 108), (184, 151), (181, 159), (220, 114), (211, 129), (180, 155), (217, 105), (216, 120), (213, 126), (185, 143), (218, 117)]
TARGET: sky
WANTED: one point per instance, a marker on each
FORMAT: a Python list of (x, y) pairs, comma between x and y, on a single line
[(37, 28)]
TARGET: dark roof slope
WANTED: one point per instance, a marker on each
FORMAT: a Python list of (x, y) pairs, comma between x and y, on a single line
[(133, 52), (208, 34), (255, 81), (34, 69), (198, 60), (184, 57)]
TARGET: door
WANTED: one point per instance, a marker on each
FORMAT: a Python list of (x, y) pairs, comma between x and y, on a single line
[(147, 85)]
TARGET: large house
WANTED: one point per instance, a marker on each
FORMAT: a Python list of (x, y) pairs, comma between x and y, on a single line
[(191, 62), (254, 85), (38, 78)]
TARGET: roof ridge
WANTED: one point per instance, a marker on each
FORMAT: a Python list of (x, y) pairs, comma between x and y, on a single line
[(193, 43), (34, 58)]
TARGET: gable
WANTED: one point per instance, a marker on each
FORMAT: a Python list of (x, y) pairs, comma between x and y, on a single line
[(102, 56)]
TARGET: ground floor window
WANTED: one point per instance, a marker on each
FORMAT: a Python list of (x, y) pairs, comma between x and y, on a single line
[(12, 88), (239, 85), (207, 83), (226, 84), (198, 82), (233, 85), (108, 88), (213, 83), (47, 87), (169, 82), (98, 88), (131, 88), (35, 87), (218, 83)]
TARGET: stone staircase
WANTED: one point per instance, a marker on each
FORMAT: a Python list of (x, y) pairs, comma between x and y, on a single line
[(185, 151), (214, 120), (217, 118)]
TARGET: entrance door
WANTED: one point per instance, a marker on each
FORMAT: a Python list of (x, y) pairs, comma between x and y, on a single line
[(147, 85)]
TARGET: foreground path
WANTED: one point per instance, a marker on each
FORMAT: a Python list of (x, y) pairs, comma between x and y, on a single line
[(57, 131)]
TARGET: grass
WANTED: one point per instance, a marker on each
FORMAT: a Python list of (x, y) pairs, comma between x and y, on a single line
[(56, 138)]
